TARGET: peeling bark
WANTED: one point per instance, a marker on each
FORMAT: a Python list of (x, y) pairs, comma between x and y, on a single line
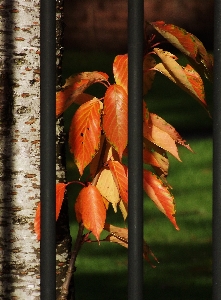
[(20, 151)]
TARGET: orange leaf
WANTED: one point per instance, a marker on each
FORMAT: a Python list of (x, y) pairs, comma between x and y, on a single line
[(120, 178), (160, 195), (90, 209), (163, 125), (160, 138), (115, 120), (60, 190), (188, 44), (109, 153), (120, 70), (178, 37), (156, 157), (85, 131), (186, 78), (74, 87), (161, 133)]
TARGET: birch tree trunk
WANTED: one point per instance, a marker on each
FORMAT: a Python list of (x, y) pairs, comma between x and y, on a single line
[(20, 152)]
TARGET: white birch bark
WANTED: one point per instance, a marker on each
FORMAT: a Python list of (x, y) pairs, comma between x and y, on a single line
[(20, 151)]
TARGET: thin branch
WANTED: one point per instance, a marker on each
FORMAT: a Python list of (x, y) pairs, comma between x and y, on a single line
[(77, 246)]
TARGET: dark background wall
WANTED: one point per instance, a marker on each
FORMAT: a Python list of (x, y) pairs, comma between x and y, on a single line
[(102, 24)]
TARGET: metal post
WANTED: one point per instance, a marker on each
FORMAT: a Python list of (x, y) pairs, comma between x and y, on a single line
[(48, 152), (135, 148), (217, 155)]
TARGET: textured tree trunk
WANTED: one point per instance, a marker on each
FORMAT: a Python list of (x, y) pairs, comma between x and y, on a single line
[(20, 152)]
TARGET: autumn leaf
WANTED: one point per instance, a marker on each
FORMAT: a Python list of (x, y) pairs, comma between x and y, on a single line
[(120, 70), (90, 210), (104, 154), (60, 190), (123, 208), (185, 77), (120, 178), (108, 188), (85, 131), (160, 138), (156, 157), (161, 133), (163, 125), (188, 44), (115, 119), (72, 91), (160, 195), (120, 236)]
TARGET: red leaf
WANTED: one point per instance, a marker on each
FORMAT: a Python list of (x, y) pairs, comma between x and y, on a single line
[(74, 87), (160, 195), (60, 190), (115, 120), (85, 131), (120, 178), (120, 70), (180, 38), (90, 209)]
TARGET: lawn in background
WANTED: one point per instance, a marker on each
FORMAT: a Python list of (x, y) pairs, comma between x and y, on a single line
[(184, 271)]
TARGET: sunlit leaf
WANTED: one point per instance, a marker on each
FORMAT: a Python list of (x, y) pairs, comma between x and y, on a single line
[(108, 188), (60, 191), (107, 152), (160, 195), (90, 210), (120, 70), (123, 208), (120, 178), (115, 119), (160, 138), (185, 77), (85, 132), (156, 157), (188, 44), (74, 87)]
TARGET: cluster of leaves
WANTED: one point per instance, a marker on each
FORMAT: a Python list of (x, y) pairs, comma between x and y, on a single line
[(98, 133)]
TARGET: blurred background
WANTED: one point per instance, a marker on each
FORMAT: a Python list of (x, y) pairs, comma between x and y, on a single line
[(102, 24), (95, 32)]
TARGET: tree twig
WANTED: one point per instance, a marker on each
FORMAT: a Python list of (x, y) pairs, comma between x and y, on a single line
[(71, 268)]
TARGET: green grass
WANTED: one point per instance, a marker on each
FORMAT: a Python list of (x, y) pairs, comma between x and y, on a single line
[(184, 271)]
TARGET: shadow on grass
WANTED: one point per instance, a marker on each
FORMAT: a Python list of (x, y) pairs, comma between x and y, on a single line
[(182, 273)]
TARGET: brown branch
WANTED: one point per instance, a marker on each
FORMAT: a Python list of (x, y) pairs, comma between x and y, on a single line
[(77, 246)]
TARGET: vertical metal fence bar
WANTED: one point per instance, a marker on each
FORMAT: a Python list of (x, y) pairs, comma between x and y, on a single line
[(217, 154), (48, 146), (135, 148)]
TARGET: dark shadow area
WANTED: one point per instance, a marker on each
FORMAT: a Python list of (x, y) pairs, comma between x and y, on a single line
[(178, 275)]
